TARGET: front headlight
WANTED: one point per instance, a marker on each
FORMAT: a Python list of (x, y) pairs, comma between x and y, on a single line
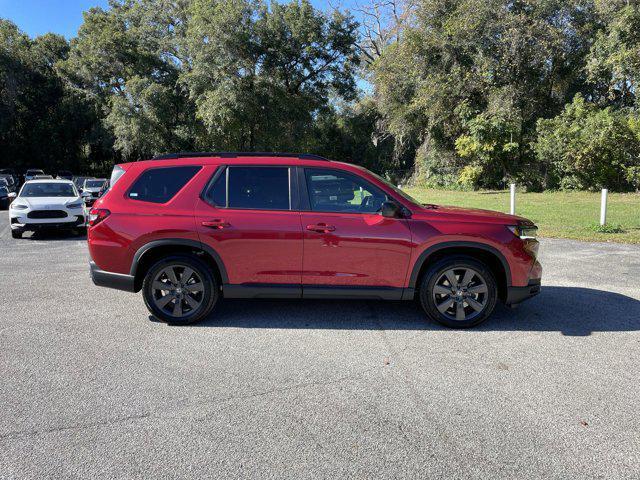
[(73, 206), (525, 232), (18, 206)]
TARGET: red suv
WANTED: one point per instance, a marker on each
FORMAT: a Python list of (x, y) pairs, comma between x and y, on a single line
[(188, 229)]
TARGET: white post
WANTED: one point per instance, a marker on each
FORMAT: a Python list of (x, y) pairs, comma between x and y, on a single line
[(603, 207), (512, 211)]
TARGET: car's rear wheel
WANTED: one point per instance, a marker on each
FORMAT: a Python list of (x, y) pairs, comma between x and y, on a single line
[(458, 292), (180, 290)]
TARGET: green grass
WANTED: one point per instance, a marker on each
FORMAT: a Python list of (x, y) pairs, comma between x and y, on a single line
[(558, 214)]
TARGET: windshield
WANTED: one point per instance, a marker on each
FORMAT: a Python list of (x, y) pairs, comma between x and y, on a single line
[(48, 190), (404, 195), (93, 183), (3, 190), (35, 172)]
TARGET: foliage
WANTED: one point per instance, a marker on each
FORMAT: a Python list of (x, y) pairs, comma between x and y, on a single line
[(614, 64), (471, 78), (260, 84), (607, 228), (461, 93), (587, 147), (150, 76), (41, 121), (490, 147)]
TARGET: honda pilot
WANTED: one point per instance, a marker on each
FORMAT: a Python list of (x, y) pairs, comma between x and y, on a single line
[(190, 229)]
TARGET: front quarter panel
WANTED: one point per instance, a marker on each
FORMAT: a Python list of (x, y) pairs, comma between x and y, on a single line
[(431, 234)]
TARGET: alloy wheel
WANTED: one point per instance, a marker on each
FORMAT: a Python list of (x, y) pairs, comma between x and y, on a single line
[(178, 290), (460, 294)]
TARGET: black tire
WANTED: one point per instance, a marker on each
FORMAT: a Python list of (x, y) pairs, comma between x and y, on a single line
[(206, 299), (435, 280), (16, 233)]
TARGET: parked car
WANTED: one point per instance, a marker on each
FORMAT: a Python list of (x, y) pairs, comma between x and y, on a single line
[(5, 182), (188, 229), (11, 173), (91, 190), (8, 181), (8, 171), (5, 196), (79, 182), (65, 175), (46, 204), (32, 173), (105, 187)]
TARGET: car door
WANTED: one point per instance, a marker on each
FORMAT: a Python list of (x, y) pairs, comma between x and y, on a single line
[(347, 242), (249, 216)]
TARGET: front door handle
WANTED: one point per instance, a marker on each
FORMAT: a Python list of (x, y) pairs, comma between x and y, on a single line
[(321, 228), (218, 224)]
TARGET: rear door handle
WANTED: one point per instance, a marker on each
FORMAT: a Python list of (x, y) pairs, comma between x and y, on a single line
[(217, 224), (321, 228)]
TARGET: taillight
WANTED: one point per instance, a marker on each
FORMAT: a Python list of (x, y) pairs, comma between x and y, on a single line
[(96, 215)]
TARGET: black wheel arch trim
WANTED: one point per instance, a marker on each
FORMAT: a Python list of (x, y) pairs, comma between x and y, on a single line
[(424, 257), (183, 242)]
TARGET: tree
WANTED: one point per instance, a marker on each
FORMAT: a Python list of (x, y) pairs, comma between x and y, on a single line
[(510, 62), (42, 123), (587, 147), (614, 60), (260, 84), (127, 61)]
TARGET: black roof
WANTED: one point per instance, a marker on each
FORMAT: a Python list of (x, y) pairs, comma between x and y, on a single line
[(302, 156)]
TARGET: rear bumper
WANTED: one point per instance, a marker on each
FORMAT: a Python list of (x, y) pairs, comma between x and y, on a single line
[(516, 295), (119, 281)]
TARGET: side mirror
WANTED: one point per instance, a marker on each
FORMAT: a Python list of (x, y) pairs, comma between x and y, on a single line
[(12, 195), (391, 210)]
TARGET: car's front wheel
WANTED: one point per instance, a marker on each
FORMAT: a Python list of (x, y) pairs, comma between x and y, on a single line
[(180, 290), (458, 292), (16, 233)]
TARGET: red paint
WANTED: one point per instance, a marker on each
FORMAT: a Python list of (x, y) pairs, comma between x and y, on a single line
[(363, 249), (293, 247)]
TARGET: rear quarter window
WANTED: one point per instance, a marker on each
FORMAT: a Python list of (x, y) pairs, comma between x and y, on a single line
[(159, 185)]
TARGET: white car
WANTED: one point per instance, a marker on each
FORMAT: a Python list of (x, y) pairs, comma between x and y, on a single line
[(91, 190), (46, 204), (32, 173)]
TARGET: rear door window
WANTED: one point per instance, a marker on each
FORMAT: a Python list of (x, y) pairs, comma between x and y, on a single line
[(252, 187), (260, 188), (159, 185)]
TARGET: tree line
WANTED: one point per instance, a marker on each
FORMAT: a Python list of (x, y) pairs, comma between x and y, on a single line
[(452, 93)]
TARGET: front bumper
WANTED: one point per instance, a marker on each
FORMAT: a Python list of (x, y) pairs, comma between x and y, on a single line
[(516, 295), (119, 281), (24, 223)]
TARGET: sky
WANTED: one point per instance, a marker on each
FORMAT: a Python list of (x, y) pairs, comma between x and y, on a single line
[(36, 17)]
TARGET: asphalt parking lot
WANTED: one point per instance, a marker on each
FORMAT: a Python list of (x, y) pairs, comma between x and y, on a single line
[(92, 387)]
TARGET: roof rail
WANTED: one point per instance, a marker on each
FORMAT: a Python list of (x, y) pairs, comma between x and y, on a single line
[(302, 156)]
